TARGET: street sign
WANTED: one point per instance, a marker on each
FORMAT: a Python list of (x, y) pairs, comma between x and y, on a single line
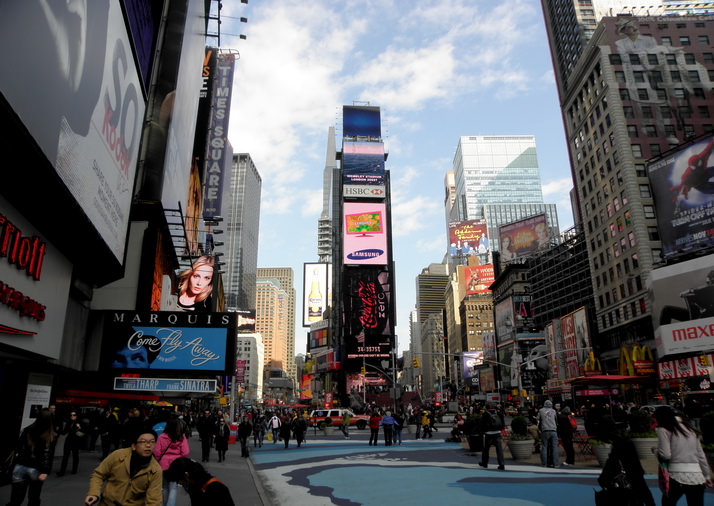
[(165, 385)]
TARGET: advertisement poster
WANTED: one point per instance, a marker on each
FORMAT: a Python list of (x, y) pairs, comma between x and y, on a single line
[(572, 367), (683, 191), (489, 345), (472, 360), (505, 328), (169, 341), (582, 336), (683, 306), (316, 292), (363, 163), (88, 122), (365, 233), (523, 238), (367, 313), (478, 278), (468, 238)]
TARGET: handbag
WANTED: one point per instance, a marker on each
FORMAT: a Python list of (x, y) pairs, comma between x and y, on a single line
[(79, 433), (663, 478), (6, 468)]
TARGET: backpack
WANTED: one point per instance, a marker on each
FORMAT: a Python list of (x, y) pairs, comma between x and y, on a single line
[(573, 422), (495, 422)]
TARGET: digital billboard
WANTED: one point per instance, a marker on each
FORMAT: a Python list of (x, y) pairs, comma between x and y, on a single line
[(201, 343), (683, 191), (683, 306), (523, 237), (477, 278), (316, 292), (365, 233), (80, 96), (363, 163), (367, 312), (468, 238), (472, 360), (361, 121)]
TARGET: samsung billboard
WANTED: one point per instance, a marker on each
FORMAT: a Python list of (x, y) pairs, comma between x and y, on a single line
[(365, 233)]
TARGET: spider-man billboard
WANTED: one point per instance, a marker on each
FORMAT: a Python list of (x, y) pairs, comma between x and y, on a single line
[(683, 191)]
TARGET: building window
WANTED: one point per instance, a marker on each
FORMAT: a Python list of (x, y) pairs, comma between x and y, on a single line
[(615, 59), (667, 41), (689, 58), (624, 94), (632, 130), (645, 192), (650, 131), (708, 58), (684, 40), (636, 150), (631, 237), (653, 233), (652, 59), (655, 150), (620, 76), (649, 211), (642, 94), (703, 111), (639, 76), (646, 112), (703, 40), (693, 76), (676, 76)]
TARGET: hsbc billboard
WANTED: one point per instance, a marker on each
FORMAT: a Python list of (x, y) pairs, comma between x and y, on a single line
[(365, 192)]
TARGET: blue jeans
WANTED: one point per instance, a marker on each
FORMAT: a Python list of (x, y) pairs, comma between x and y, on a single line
[(170, 490), (397, 435), (25, 482), (549, 439)]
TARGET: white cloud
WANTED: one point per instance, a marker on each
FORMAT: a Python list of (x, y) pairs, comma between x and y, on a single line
[(413, 214)]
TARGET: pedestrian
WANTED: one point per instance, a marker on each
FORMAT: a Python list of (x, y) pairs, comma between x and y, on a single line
[(74, 434), (107, 432), (245, 429), (33, 460), (285, 430), (259, 432), (678, 445), (202, 487), (494, 422), (398, 425), (417, 421), (426, 424), (221, 434), (548, 426), (133, 424), (565, 433), (345, 425), (206, 427), (622, 477), (170, 445), (373, 423), (130, 476), (274, 425), (298, 427), (387, 422)]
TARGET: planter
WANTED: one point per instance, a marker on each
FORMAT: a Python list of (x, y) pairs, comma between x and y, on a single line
[(602, 452), (644, 446), (521, 449), (475, 442)]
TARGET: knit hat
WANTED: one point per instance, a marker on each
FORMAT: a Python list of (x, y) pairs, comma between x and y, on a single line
[(548, 404), (566, 410)]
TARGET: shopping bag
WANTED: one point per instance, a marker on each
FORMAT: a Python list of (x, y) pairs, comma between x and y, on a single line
[(663, 478), (270, 436)]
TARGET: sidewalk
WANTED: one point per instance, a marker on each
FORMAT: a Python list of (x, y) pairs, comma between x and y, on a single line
[(236, 472)]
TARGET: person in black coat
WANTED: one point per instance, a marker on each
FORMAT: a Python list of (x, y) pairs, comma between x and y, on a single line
[(221, 436), (245, 429), (285, 430), (202, 487), (33, 460), (623, 457), (206, 427), (74, 434)]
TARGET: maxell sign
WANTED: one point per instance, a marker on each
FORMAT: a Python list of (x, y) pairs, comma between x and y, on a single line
[(364, 191), (691, 336)]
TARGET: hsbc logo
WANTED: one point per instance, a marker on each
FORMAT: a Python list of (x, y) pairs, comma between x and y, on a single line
[(364, 191)]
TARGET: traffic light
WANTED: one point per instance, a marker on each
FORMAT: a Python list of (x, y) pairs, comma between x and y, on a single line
[(363, 370), (416, 362)]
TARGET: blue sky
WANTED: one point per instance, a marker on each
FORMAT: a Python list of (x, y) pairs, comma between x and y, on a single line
[(438, 70)]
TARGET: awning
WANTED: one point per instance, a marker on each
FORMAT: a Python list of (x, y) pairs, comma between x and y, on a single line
[(609, 379)]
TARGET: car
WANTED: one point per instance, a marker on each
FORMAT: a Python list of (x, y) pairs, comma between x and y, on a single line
[(652, 407), (319, 418)]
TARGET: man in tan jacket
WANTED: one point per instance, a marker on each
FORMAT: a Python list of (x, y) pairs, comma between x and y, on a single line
[(129, 476)]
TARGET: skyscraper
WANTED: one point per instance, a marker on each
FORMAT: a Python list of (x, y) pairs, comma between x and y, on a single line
[(272, 324), (641, 87), (497, 178), (330, 195), (284, 277), (239, 242)]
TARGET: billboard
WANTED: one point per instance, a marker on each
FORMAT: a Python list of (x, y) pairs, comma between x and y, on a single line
[(686, 367), (523, 237), (367, 311), (361, 121), (365, 233), (364, 191), (316, 292), (683, 192), (471, 362), (488, 339), (468, 238), (683, 306), (363, 163), (83, 105), (505, 325), (572, 368), (582, 336), (477, 278), (219, 156), (200, 343), (319, 337)]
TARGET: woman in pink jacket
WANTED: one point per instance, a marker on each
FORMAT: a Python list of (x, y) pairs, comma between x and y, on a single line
[(170, 445)]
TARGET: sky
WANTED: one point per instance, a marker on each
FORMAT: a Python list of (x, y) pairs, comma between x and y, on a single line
[(438, 71)]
